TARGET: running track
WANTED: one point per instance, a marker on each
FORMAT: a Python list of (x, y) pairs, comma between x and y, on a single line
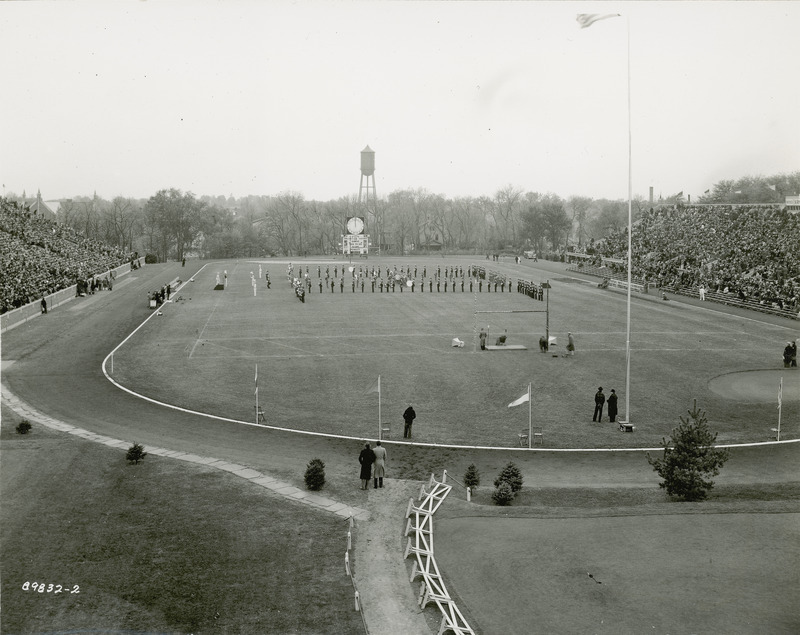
[(54, 363)]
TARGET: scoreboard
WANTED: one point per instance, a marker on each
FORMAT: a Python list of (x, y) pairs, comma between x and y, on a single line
[(355, 244)]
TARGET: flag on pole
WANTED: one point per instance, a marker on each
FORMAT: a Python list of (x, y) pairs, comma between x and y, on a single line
[(780, 394), (374, 387), (256, 380), (588, 19), (518, 402), (256, 392), (772, 187)]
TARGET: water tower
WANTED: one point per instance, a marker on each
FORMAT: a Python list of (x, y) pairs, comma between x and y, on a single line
[(367, 177)]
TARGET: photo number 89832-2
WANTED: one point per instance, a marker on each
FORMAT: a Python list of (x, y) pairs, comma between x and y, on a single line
[(43, 587)]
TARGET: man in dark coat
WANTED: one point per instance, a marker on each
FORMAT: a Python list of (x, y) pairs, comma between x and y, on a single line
[(612, 406), (408, 416), (366, 458), (599, 400)]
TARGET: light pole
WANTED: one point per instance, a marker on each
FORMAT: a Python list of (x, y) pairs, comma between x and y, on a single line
[(546, 285)]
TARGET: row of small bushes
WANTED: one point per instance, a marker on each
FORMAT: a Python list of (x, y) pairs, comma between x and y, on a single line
[(314, 476), (507, 484)]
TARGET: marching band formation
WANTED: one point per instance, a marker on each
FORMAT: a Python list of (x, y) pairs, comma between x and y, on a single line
[(407, 278)]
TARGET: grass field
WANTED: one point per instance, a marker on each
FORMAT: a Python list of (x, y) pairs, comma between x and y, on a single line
[(78, 507), (732, 573), (160, 547), (316, 360)]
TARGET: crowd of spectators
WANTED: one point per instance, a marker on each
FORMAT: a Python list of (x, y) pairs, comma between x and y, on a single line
[(752, 252), (39, 257)]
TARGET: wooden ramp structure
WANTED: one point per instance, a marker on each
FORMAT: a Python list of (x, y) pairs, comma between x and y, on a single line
[(432, 588)]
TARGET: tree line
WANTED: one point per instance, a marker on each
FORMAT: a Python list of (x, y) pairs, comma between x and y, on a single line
[(173, 224)]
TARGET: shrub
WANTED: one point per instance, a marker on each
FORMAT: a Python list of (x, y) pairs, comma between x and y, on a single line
[(503, 495), (315, 474), (135, 453), (691, 458), (150, 259), (471, 477), (24, 427), (510, 474)]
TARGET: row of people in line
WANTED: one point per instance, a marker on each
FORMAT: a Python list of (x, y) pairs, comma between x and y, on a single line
[(377, 272), (393, 285)]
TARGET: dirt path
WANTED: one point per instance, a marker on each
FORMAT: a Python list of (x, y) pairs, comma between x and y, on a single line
[(390, 605)]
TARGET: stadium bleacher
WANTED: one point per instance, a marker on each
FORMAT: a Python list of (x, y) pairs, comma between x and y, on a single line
[(39, 257), (741, 255)]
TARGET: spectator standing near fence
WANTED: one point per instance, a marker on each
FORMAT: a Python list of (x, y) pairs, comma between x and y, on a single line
[(380, 465), (599, 400), (366, 459), (44, 306)]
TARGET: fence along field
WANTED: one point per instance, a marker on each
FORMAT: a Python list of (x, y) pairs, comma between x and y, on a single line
[(316, 360)]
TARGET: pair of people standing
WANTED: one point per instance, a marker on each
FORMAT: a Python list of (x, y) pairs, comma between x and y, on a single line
[(373, 465), (600, 400)]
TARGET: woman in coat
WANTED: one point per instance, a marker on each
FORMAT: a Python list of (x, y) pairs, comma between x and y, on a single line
[(366, 458)]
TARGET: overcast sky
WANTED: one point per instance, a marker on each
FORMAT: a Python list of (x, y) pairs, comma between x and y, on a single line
[(460, 98)]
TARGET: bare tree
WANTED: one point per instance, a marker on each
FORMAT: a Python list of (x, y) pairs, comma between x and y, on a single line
[(292, 206), (507, 208), (466, 221), (579, 207), (124, 216)]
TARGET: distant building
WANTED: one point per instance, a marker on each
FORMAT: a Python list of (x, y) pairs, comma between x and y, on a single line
[(38, 207)]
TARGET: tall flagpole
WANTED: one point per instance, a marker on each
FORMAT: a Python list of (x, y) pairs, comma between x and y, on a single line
[(380, 427), (586, 20), (630, 231), (780, 404), (530, 421), (256, 381)]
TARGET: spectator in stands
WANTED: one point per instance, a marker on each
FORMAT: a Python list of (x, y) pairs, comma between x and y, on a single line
[(749, 251), (39, 257)]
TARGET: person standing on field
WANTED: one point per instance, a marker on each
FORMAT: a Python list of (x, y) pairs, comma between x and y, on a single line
[(380, 465), (599, 400), (612, 406), (408, 416)]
